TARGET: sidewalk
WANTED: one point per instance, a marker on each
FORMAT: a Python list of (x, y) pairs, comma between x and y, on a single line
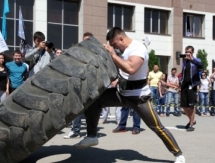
[(197, 146)]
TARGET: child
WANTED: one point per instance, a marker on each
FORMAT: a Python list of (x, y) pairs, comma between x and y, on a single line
[(162, 88)]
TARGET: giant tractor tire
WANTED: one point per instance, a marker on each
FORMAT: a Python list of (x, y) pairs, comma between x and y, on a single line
[(49, 100)]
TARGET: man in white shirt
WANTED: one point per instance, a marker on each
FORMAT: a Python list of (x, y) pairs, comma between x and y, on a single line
[(132, 91)]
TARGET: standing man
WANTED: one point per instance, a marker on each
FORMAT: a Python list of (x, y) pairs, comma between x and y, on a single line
[(173, 83), (123, 121), (17, 71), (190, 81), (75, 132), (40, 55), (58, 52), (134, 92), (153, 79)]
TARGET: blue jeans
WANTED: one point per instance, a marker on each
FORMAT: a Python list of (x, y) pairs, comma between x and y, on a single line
[(154, 95), (171, 95), (203, 100), (161, 104), (77, 124), (124, 117)]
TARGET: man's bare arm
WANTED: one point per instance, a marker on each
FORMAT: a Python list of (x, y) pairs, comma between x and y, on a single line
[(129, 66)]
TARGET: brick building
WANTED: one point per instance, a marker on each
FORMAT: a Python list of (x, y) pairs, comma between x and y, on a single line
[(171, 24)]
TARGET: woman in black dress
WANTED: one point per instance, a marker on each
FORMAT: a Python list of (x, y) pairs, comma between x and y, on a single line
[(4, 82)]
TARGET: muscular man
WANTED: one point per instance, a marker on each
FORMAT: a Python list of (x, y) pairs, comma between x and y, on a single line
[(133, 91)]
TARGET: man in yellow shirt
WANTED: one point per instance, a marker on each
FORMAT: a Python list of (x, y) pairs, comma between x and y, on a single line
[(153, 79)]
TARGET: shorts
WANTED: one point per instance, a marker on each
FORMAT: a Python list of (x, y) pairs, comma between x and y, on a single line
[(188, 97)]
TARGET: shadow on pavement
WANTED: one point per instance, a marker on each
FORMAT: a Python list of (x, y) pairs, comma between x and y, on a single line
[(131, 128), (99, 134), (180, 126), (89, 155), (61, 132)]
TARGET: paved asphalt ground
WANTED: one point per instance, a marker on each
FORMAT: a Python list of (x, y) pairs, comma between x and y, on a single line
[(197, 146)]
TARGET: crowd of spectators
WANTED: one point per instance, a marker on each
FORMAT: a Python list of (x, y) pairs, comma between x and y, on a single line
[(14, 73), (165, 89), (166, 92)]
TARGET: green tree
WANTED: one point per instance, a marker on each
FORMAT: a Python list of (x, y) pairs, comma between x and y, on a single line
[(203, 56), (153, 60)]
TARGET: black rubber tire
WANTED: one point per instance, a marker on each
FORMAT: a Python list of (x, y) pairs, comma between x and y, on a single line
[(49, 100)]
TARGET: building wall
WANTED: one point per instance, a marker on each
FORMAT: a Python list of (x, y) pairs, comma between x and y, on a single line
[(168, 45), (40, 16), (161, 3), (162, 44), (206, 43), (199, 5), (93, 18)]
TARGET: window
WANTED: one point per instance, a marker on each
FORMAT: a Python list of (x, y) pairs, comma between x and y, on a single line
[(163, 62), (214, 27), (120, 16), (156, 21), (192, 25), (13, 41), (63, 23)]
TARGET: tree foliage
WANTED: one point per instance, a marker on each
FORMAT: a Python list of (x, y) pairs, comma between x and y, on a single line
[(153, 60), (203, 56)]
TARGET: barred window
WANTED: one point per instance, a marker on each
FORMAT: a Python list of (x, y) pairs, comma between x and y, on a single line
[(120, 16), (193, 25), (12, 22), (156, 21), (63, 23)]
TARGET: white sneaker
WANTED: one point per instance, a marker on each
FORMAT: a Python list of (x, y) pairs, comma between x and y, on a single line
[(102, 121), (87, 142), (72, 135), (117, 122), (180, 159)]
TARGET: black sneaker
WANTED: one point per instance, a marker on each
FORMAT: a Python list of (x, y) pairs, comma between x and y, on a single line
[(190, 128), (135, 131), (118, 130), (179, 114), (212, 114), (187, 126), (167, 114)]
